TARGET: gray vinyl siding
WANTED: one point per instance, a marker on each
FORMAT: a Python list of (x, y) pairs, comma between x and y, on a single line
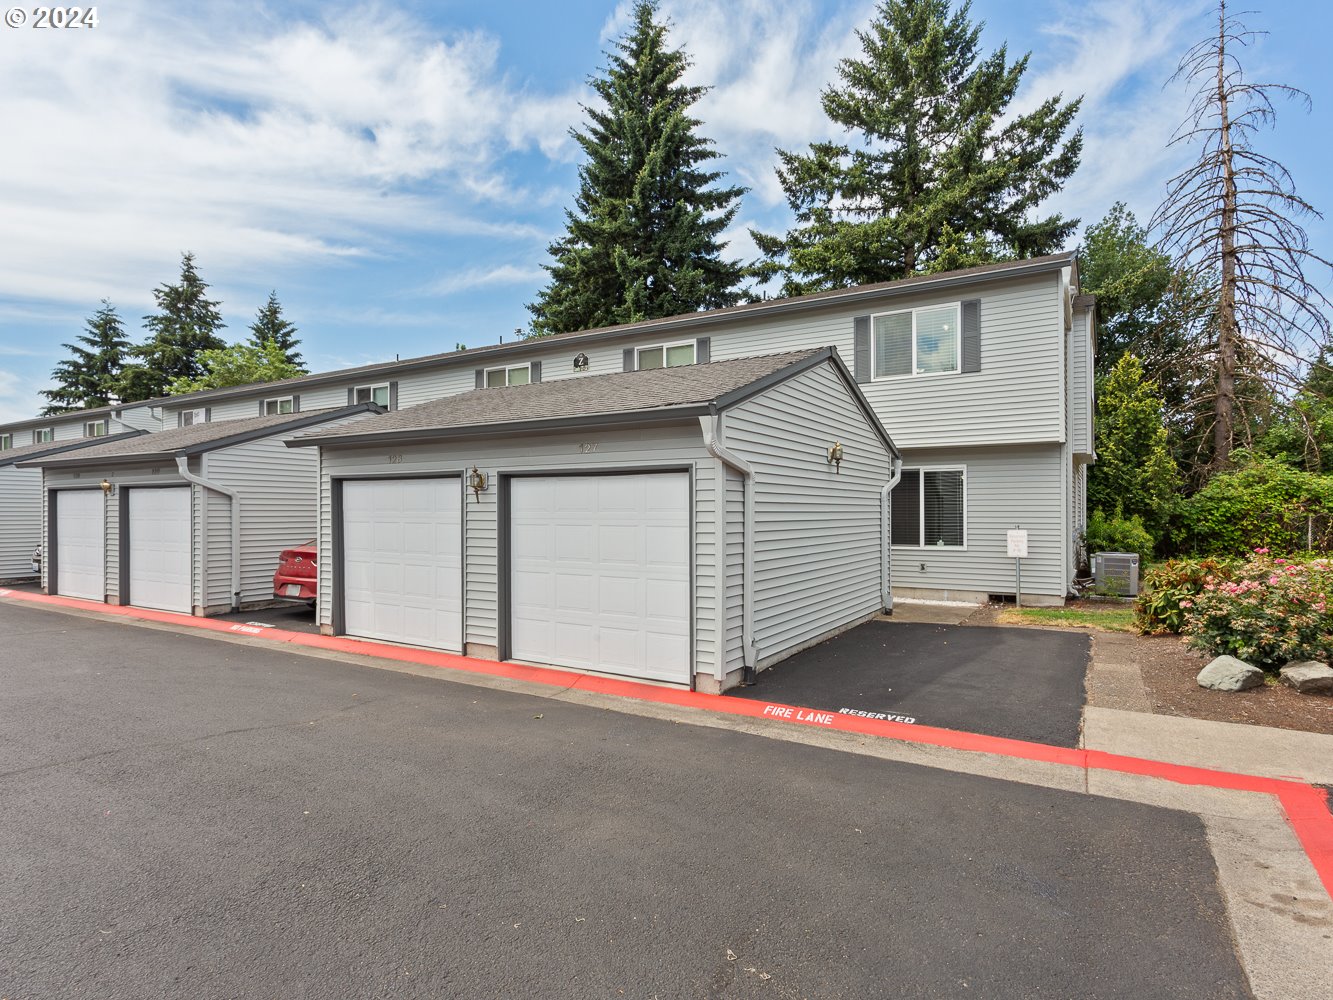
[(674, 446), (20, 520), (1005, 488), (735, 576), (143, 418), (816, 528), (1080, 383)]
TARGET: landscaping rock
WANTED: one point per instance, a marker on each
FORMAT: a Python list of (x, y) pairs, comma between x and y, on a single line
[(1308, 677), (1226, 673)]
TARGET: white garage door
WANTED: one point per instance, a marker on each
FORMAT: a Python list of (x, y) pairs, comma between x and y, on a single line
[(600, 575), (159, 549), (80, 540), (402, 561)]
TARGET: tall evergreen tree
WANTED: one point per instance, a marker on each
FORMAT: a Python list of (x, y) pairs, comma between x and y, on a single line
[(91, 375), (271, 326), (643, 238), (186, 322), (936, 163), (1134, 473)]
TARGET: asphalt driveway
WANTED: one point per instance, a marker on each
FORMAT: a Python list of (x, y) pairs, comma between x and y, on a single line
[(1024, 684), (185, 817)]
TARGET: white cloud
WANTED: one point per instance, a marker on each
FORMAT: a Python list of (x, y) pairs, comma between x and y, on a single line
[(257, 141), (17, 398), (487, 277)]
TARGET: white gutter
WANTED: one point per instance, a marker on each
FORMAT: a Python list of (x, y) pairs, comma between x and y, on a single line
[(885, 570), (712, 428), (183, 467)]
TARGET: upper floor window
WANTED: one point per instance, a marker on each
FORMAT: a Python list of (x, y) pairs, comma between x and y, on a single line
[(191, 417), (515, 375), (916, 342), (378, 394), (666, 355), (284, 404), (930, 508), (43, 435), (6, 442), (95, 429)]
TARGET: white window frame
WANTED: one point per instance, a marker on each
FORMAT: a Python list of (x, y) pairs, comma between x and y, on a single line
[(104, 424), (921, 545), (6, 442), (693, 345), (43, 435), (388, 395), (958, 340), (486, 376), (278, 412), (191, 417)]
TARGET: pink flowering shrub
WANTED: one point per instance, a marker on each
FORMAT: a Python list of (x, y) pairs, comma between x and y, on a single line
[(1271, 611)]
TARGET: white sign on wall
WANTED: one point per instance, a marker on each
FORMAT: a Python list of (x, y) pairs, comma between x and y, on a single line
[(1018, 543)]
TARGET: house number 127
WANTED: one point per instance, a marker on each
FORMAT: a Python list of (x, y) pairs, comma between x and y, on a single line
[(587, 447)]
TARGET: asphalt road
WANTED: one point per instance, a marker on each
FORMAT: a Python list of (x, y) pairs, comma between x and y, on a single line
[(1023, 684), (184, 817)]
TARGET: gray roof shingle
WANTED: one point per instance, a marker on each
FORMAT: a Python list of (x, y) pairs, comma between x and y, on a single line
[(12, 456), (198, 438), (659, 391)]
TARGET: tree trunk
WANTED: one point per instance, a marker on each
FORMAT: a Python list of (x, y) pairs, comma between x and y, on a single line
[(1228, 334)]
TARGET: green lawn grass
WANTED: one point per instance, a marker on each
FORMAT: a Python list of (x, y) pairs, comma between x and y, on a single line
[(1113, 619)]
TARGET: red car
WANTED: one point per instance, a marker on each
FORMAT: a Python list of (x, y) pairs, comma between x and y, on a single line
[(296, 579)]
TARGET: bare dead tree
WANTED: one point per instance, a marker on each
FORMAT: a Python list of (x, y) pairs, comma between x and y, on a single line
[(1230, 219)]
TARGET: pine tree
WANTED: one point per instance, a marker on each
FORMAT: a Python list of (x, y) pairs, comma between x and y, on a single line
[(936, 163), (186, 322), (91, 375), (643, 239), (271, 326), (1134, 473)]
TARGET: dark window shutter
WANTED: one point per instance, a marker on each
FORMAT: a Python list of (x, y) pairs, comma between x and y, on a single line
[(702, 350), (262, 410), (208, 414), (393, 395), (481, 378), (351, 395), (180, 419), (535, 374), (629, 359), (972, 335), (296, 402), (861, 348)]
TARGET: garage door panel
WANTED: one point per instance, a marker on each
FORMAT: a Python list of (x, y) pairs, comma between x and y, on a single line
[(160, 549), (81, 544), (402, 561), (592, 557)]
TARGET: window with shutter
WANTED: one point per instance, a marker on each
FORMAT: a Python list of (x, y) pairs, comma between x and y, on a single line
[(930, 509), (924, 341)]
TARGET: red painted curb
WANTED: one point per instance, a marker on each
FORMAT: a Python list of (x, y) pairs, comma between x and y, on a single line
[(1306, 806)]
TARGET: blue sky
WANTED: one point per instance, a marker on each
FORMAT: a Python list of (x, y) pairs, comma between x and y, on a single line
[(396, 171)]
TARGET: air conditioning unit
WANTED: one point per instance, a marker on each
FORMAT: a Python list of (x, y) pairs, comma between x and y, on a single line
[(1116, 573)]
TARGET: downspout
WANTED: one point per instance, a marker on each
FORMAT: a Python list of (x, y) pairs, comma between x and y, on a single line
[(183, 467), (712, 428), (885, 567)]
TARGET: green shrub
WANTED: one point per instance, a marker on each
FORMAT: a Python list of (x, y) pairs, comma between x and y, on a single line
[(1270, 612), (1266, 504), (1115, 533), (1157, 610)]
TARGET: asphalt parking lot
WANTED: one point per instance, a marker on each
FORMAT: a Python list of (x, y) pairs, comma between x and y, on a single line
[(185, 816), (1023, 684)]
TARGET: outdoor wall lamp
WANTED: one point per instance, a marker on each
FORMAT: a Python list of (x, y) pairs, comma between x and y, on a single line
[(835, 456), (107, 486), (476, 482)]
